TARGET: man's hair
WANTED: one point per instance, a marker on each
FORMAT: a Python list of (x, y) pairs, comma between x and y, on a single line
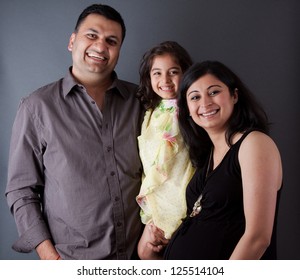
[(102, 10)]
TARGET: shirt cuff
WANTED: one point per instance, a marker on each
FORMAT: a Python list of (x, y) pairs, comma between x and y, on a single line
[(31, 238)]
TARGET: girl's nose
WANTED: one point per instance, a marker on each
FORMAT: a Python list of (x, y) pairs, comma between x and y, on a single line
[(166, 78)]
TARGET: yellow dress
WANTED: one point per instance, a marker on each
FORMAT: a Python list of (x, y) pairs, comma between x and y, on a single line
[(167, 168)]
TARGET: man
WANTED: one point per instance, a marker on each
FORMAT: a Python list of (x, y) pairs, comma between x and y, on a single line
[(74, 169)]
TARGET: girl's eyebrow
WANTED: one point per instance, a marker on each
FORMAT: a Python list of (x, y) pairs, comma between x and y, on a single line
[(175, 67), (155, 69)]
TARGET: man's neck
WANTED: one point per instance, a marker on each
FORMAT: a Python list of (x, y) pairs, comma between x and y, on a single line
[(96, 86), (97, 91)]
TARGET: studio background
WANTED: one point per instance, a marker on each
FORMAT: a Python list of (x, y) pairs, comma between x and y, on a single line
[(258, 39)]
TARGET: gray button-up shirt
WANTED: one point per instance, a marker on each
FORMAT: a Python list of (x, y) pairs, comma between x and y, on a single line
[(74, 171)]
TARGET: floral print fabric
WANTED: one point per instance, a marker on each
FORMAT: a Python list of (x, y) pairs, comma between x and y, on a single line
[(167, 168)]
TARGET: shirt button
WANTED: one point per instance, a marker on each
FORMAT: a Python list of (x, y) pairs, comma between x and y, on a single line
[(108, 148), (117, 198), (119, 224), (93, 102), (112, 173)]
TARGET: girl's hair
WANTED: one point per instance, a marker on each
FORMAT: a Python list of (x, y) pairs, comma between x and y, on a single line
[(147, 96), (247, 113)]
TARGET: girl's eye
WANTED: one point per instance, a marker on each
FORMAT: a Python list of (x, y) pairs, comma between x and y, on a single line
[(156, 73), (174, 73)]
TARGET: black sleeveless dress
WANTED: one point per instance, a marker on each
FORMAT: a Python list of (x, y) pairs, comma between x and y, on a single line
[(215, 231)]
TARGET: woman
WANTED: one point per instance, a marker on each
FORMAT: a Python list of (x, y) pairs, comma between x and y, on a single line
[(233, 196)]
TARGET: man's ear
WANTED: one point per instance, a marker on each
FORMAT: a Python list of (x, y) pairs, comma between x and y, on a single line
[(71, 41)]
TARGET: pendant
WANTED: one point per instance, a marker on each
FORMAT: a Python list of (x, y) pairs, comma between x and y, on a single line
[(197, 207)]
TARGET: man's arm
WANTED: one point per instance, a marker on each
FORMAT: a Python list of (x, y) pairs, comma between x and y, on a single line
[(26, 180)]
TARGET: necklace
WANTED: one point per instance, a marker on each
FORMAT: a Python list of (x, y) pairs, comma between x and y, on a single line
[(197, 205)]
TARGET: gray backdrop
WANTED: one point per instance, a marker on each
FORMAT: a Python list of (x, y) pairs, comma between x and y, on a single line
[(257, 39)]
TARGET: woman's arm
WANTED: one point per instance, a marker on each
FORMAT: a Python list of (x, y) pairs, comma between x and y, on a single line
[(262, 177)]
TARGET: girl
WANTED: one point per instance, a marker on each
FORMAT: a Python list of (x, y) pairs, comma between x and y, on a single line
[(165, 159)]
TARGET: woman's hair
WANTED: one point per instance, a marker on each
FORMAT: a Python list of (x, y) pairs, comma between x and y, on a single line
[(247, 113), (147, 96), (102, 10)]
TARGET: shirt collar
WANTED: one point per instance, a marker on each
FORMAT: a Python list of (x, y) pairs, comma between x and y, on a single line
[(119, 86), (69, 82)]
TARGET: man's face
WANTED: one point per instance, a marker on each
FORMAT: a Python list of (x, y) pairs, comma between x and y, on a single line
[(95, 47)]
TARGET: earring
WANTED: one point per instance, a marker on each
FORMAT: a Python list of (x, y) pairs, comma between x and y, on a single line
[(236, 99)]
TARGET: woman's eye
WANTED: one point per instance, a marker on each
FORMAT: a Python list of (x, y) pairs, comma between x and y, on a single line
[(194, 97), (212, 93)]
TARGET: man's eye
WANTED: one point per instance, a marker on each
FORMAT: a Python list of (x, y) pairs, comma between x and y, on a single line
[(91, 36), (112, 42)]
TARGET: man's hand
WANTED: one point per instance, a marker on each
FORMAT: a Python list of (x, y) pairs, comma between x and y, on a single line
[(47, 251)]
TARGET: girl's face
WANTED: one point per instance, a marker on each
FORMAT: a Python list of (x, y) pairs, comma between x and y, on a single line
[(210, 103), (165, 76)]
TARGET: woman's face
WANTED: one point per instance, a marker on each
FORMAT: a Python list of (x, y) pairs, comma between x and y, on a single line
[(210, 103), (165, 75)]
